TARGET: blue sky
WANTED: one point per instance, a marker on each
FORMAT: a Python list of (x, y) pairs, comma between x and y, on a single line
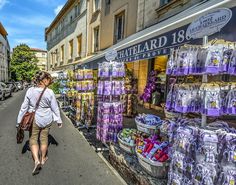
[(25, 20)]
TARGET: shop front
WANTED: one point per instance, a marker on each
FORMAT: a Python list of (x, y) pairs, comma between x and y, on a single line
[(187, 62)]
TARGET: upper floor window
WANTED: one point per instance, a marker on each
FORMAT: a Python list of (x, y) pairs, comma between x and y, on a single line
[(79, 45), (57, 56), (164, 2), (96, 39), (107, 6), (71, 49), (96, 5), (62, 53), (77, 10), (119, 26)]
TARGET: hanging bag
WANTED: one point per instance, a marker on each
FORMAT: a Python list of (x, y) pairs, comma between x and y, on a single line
[(28, 118)]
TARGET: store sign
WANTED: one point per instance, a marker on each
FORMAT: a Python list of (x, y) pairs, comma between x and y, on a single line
[(159, 45), (209, 24), (111, 55)]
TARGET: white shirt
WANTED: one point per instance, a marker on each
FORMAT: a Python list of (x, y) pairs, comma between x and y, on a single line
[(47, 111)]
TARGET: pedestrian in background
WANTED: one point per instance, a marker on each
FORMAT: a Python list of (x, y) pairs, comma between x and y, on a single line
[(47, 112)]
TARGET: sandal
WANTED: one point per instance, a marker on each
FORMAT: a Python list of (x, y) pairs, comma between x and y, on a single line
[(44, 161), (37, 168)]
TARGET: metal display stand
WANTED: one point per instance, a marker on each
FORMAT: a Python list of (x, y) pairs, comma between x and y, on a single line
[(78, 123), (204, 80), (110, 56)]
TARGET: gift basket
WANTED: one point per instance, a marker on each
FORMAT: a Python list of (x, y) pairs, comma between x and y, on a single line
[(127, 140), (153, 156), (147, 123)]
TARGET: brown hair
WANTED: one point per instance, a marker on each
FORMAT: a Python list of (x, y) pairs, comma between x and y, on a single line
[(40, 76)]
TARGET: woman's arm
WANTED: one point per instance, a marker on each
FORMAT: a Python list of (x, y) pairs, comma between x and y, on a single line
[(24, 108), (55, 109)]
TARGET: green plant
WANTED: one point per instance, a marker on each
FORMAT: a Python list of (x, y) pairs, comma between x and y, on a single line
[(23, 63), (55, 87)]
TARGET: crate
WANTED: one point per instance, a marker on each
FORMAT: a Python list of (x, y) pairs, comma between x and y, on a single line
[(153, 168)]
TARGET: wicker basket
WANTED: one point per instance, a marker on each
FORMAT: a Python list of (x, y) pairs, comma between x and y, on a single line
[(149, 129), (155, 169), (126, 146)]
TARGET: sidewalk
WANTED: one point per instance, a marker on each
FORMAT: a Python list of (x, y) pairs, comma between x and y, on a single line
[(71, 160)]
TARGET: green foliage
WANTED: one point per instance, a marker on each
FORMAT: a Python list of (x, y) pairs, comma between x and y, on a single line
[(55, 87), (23, 63)]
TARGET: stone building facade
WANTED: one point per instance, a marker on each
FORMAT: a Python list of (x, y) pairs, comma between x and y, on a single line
[(4, 55)]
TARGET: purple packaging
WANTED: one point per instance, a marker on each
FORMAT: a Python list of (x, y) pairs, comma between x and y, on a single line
[(231, 106), (107, 88), (213, 62), (100, 87), (232, 64), (78, 86), (182, 63)]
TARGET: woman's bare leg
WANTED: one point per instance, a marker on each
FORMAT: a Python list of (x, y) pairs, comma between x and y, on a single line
[(43, 149), (35, 152)]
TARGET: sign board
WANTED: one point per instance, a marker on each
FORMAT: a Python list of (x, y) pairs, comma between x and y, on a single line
[(209, 23), (111, 55)]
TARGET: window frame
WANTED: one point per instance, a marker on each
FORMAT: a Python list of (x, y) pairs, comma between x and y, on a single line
[(107, 7), (116, 26), (62, 52), (164, 2), (96, 48), (96, 5), (71, 44), (79, 45)]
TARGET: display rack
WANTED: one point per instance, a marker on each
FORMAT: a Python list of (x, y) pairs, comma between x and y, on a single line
[(85, 99), (110, 106)]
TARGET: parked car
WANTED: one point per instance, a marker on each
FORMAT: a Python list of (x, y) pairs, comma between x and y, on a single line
[(14, 87), (19, 85), (5, 91)]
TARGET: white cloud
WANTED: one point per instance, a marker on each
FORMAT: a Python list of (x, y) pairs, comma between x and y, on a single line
[(3, 3), (58, 9)]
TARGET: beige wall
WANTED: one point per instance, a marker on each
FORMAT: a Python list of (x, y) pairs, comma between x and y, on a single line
[(108, 21), (79, 26), (150, 12), (93, 21), (4, 48), (42, 59)]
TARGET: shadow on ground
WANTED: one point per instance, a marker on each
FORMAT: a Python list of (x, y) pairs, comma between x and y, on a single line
[(51, 141)]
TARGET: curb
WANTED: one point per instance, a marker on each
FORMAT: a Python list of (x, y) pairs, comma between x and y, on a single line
[(100, 155)]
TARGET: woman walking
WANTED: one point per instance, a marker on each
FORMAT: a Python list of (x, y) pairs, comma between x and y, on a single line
[(46, 112)]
